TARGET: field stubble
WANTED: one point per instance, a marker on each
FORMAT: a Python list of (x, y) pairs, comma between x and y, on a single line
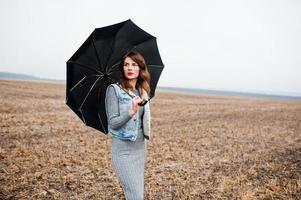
[(202, 147)]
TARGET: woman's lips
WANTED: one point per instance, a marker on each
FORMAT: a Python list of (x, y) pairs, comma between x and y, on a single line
[(130, 73)]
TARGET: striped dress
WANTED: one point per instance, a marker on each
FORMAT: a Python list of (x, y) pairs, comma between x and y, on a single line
[(128, 157)]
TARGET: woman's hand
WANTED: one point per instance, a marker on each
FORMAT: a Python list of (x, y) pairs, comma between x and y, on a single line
[(134, 108)]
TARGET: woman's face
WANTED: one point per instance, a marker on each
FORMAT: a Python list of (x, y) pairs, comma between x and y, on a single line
[(131, 68)]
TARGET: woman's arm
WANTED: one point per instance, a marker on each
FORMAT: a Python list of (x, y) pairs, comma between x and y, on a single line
[(115, 120)]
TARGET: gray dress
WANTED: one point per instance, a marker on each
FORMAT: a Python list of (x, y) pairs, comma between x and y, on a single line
[(128, 157)]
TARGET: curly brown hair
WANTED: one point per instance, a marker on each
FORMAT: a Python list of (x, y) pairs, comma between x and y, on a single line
[(143, 79)]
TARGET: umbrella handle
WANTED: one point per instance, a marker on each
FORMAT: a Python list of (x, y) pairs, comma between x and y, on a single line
[(144, 101)]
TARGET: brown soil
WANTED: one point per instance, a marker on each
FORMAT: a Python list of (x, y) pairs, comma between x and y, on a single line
[(202, 147)]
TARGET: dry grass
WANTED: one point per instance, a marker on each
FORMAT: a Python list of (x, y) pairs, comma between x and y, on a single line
[(203, 147)]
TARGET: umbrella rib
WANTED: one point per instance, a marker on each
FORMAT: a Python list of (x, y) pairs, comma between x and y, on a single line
[(103, 128), (80, 110), (85, 66), (82, 80), (156, 66), (151, 38), (89, 92), (113, 67), (97, 56), (113, 80)]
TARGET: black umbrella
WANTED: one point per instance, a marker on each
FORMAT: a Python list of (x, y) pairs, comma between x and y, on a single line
[(95, 65)]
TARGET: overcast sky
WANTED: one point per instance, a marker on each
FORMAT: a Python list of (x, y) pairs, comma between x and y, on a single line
[(235, 45)]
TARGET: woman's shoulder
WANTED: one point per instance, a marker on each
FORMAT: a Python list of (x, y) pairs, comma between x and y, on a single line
[(113, 85)]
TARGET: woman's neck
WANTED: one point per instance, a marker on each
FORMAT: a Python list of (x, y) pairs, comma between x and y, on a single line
[(132, 83)]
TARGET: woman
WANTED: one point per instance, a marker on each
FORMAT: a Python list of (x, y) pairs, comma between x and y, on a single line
[(129, 123)]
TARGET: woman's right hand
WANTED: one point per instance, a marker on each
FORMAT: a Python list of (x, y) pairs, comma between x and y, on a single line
[(134, 108)]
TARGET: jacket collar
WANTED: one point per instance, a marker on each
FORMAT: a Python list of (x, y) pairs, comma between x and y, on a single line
[(143, 96)]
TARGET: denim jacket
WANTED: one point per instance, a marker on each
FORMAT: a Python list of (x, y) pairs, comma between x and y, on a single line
[(129, 130)]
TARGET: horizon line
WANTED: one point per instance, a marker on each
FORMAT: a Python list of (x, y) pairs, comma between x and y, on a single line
[(28, 77)]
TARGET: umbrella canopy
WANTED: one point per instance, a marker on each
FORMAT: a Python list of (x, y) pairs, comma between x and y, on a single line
[(95, 65)]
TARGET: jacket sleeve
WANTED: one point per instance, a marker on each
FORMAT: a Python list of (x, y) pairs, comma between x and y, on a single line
[(115, 120)]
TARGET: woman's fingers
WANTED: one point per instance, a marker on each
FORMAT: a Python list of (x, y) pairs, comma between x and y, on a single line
[(137, 99)]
